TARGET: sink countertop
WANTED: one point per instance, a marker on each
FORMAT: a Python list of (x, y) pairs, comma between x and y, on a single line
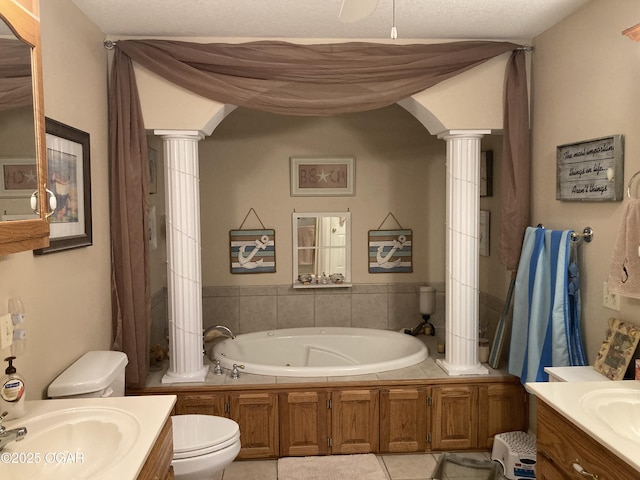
[(150, 411), (565, 398)]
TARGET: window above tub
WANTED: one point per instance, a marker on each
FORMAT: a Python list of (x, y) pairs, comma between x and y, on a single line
[(321, 250)]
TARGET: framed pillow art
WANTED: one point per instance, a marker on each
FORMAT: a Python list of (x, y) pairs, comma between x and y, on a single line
[(617, 349)]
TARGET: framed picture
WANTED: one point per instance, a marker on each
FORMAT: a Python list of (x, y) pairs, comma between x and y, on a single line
[(68, 162), (390, 251), (322, 176), (19, 177), (617, 349), (252, 251), (486, 173), (153, 170), (484, 231), (591, 171)]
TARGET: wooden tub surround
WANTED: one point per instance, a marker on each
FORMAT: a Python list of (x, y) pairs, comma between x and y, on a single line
[(415, 409)]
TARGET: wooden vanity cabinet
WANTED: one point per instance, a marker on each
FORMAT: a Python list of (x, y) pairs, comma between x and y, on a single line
[(322, 422), (404, 422), (561, 444), (158, 464), (255, 412), (502, 407)]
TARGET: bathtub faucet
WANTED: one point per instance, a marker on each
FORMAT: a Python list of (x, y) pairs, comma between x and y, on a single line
[(218, 330), (8, 436)]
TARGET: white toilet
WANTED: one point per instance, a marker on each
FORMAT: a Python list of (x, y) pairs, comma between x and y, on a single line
[(203, 445)]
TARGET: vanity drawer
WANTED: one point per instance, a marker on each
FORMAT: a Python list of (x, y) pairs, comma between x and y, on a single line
[(562, 443)]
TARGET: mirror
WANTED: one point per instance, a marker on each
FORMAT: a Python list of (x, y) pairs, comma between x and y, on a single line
[(17, 129), (22, 132), (321, 250)]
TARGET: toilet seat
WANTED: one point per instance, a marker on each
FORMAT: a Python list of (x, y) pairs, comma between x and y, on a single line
[(196, 435)]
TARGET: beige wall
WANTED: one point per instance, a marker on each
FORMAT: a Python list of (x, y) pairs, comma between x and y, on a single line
[(586, 78), (400, 168), (67, 294)]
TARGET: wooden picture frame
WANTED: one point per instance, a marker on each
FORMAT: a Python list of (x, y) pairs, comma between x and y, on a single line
[(19, 177), (322, 176), (486, 173), (69, 170), (390, 251), (252, 251), (591, 170), (617, 349)]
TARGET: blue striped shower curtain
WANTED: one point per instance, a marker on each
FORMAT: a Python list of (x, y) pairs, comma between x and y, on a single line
[(546, 309)]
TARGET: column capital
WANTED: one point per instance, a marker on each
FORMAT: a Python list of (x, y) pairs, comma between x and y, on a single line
[(463, 134), (184, 134)]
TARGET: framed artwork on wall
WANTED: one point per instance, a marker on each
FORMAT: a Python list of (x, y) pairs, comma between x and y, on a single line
[(252, 251), (19, 177), (322, 176), (390, 251), (486, 173), (69, 163)]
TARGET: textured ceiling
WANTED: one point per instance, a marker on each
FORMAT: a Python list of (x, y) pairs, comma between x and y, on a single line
[(415, 19)]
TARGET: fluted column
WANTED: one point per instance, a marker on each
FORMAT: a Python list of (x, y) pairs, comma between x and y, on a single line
[(462, 212), (184, 269)]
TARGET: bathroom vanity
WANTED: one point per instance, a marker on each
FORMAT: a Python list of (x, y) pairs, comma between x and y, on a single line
[(585, 430), (128, 438)]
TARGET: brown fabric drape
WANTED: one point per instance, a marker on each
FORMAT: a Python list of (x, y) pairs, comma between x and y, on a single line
[(516, 163), (16, 89), (316, 80), (129, 185), (277, 77)]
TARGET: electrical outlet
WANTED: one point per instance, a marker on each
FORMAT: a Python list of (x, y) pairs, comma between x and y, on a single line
[(610, 300), (6, 331)]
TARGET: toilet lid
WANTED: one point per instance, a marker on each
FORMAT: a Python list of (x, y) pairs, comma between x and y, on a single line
[(199, 434)]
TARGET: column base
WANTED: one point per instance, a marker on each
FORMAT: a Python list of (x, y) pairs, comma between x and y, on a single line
[(453, 370), (188, 377)]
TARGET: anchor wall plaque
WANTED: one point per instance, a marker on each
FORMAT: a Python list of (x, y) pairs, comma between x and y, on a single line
[(252, 251), (390, 251)]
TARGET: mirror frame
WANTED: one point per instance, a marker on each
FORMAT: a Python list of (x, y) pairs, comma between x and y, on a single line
[(23, 18), (294, 235)]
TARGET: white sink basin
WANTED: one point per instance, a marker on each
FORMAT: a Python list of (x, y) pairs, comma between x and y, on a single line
[(618, 409), (70, 443)]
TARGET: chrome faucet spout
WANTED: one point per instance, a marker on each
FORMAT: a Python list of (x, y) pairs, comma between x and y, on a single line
[(216, 331), (8, 436)]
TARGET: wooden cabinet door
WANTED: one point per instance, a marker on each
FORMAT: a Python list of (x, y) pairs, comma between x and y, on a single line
[(256, 414), (304, 429), (403, 425), (354, 421), (455, 421), (202, 404), (502, 408)]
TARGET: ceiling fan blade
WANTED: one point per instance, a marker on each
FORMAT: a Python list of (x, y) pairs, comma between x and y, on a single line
[(354, 10)]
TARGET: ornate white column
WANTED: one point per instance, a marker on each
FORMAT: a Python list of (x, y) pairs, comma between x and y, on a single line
[(184, 269), (462, 209)]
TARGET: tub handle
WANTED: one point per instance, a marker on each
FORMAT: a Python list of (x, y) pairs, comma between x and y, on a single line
[(235, 374)]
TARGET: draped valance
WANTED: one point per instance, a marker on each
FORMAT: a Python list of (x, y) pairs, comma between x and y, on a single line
[(291, 79)]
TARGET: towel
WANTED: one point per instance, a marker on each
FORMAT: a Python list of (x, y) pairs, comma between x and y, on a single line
[(624, 272), (306, 238), (546, 310)]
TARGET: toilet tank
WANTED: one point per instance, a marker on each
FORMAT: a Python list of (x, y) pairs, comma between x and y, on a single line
[(95, 374)]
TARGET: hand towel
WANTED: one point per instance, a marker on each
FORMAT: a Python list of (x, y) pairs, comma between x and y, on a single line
[(624, 272)]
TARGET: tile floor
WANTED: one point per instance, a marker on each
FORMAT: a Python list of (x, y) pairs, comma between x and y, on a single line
[(419, 466)]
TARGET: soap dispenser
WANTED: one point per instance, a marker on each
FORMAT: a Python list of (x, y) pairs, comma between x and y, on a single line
[(12, 392)]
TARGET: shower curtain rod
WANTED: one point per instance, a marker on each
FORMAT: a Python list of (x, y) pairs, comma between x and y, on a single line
[(111, 44)]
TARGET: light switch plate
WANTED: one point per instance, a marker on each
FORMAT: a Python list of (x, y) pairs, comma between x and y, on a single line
[(6, 331)]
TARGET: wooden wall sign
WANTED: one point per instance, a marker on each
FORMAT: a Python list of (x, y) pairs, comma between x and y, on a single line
[(591, 171)]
